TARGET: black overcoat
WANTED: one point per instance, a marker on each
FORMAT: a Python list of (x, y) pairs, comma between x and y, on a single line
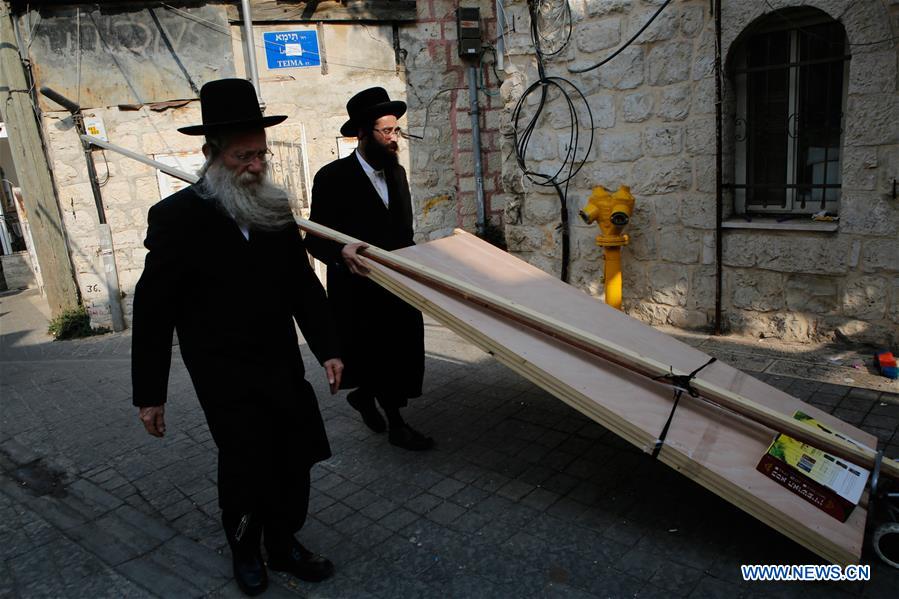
[(381, 336), (233, 303)]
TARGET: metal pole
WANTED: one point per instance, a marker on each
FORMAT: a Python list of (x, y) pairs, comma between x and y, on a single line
[(719, 199), (91, 167), (107, 252), (476, 145), (500, 34), (250, 48)]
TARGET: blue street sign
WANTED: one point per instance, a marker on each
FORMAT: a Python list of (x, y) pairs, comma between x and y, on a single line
[(291, 49)]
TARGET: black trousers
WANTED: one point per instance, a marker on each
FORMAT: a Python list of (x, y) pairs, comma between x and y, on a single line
[(279, 514)]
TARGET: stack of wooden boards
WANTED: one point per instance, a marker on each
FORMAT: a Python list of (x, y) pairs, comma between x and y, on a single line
[(713, 446)]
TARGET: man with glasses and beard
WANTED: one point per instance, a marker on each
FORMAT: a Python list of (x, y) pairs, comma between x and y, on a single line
[(228, 271), (366, 195)]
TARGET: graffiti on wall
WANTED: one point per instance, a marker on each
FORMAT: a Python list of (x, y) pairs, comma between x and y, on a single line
[(103, 57)]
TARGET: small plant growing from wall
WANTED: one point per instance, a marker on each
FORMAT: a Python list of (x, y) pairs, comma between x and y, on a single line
[(73, 324)]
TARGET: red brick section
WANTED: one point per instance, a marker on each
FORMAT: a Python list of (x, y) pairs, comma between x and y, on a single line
[(445, 51)]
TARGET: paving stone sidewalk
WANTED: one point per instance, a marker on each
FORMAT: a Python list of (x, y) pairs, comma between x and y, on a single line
[(523, 497)]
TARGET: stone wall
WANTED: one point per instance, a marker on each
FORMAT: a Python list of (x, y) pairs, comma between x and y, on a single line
[(129, 189), (442, 174), (800, 285), (428, 76), (358, 56), (653, 111), (654, 114)]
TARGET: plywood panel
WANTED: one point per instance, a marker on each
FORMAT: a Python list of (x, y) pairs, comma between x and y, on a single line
[(714, 447)]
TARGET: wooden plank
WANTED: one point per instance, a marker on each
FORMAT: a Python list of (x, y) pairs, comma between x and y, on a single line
[(844, 550), (714, 447), (619, 354), (293, 11), (711, 446)]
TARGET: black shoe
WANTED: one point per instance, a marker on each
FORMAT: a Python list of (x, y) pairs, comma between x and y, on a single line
[(302, 563), (408, 438), (250, 574), (365, 405)]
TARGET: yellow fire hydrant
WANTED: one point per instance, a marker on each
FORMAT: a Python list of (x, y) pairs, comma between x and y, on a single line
[(611, 212)]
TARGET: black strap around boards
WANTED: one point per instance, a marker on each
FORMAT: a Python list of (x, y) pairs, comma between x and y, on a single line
[(680, 383)]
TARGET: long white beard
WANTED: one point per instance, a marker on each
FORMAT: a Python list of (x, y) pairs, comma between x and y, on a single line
[(251, 200)]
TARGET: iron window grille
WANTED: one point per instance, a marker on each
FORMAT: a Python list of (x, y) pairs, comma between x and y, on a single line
[(790, 83)]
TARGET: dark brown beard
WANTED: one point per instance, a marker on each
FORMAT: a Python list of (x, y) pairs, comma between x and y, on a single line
[(381, 156)]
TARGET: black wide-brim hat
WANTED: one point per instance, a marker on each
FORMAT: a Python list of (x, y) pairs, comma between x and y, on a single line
[(368, 106), (230, 104)]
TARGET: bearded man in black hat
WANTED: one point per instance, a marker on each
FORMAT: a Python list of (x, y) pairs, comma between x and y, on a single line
[(228, 271), (366, 195)]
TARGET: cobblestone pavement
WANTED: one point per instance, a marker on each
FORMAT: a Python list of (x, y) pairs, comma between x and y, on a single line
[(523, 496)]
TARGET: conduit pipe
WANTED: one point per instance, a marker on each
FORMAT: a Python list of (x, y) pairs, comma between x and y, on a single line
[(719, 206), (476, 146)]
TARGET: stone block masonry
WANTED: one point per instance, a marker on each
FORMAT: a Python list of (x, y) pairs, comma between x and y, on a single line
[(443, 178), (426, 73), (654, 118), (654, 124)]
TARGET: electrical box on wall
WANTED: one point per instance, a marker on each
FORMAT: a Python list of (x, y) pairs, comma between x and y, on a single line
[(468, 27)]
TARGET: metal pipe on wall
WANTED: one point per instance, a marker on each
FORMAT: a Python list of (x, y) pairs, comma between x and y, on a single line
[(719, 200), (476, 145), (250, 48)]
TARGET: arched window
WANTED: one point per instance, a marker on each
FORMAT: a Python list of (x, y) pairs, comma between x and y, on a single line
[(790, 72)]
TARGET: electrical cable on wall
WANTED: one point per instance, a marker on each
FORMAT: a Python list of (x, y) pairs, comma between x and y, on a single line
[(482, 79), (549, 18), (552, 16), (625, 44)]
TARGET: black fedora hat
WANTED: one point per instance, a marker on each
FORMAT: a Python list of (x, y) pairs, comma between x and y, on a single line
[(230, 104), (369, 105)]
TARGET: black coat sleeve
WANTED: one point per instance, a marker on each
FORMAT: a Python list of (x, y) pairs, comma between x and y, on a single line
[(311, 309), (325, 211), (155, 309)]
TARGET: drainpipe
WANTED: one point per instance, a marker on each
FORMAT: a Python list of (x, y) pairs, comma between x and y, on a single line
[(250, 49), (107, 252), (719, 200), (476, 145)]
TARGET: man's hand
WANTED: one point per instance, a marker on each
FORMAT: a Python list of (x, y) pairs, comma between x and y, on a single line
[(334, 369), (153, 418), (353, 260)]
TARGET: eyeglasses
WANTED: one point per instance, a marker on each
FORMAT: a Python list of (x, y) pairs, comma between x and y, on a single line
[(390, 131), (249, 157)]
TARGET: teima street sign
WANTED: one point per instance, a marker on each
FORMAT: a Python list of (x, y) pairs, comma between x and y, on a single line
[(291, 49)]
